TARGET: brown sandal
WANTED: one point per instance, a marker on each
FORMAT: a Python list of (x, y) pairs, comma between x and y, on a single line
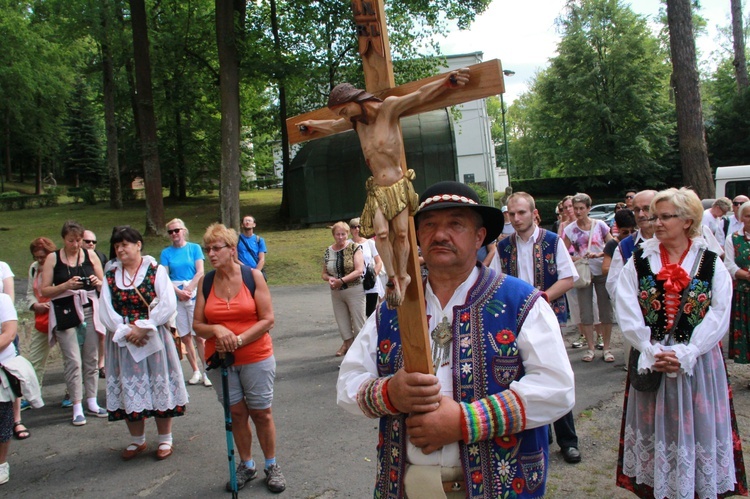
[(20, 434)]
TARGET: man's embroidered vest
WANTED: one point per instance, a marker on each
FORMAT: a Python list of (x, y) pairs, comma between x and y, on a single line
[(485, 361), (651, 297), (545, 265)]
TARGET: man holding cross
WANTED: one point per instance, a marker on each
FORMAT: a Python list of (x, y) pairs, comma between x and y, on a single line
[(477, 428), (390, 195)]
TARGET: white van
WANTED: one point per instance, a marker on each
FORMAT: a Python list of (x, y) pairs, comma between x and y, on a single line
[(732, 181)]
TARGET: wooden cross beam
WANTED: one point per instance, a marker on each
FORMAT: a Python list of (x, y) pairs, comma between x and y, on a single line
[(485, 79)]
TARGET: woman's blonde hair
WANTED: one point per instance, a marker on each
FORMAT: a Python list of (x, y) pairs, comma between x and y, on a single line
[(687, 206), (582, 197), (178, 221), (340, 225), (220, 232)]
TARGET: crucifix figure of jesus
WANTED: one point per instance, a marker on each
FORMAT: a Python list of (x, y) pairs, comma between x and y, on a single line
[(390, 195), (374, 113)]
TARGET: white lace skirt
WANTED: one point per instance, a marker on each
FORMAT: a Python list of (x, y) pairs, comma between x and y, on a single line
[(154, 386), (678, 439)]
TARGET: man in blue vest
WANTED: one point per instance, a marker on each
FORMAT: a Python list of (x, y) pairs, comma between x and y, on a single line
[(478, 427), (251, 249), (538, 257)]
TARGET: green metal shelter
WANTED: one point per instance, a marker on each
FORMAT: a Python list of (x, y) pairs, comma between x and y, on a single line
[(327, 176)]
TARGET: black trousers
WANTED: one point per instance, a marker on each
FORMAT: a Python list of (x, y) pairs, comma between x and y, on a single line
[(371, 302), (565, 431)]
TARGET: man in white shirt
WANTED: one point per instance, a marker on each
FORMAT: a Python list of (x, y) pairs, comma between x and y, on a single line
[(713, 218), (641, 206), (494, 335), (538, 257), (734, 223)]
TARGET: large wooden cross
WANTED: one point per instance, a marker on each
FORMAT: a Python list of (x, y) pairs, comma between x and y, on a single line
[(485, 79)]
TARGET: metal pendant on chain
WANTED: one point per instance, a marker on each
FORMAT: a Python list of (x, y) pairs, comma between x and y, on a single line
[(441, 342)]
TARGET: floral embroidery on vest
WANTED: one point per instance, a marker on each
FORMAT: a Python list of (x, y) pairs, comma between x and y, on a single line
[(651, 296), (126, 302)]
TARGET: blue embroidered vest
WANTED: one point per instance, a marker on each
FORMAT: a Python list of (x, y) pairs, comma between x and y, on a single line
[(651, 297), (484, 363), (545, 265)]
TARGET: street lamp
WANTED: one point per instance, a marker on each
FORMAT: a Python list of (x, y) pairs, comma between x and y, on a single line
[(506, 72)]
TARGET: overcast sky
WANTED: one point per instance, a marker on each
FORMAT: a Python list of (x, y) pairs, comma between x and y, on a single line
[(522, 34)]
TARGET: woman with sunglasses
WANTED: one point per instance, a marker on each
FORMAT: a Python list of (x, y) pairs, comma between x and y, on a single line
[(183, 261), (672, 302), (144, 375)]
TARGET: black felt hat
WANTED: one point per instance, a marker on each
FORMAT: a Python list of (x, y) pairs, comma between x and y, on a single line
[(450, 194)]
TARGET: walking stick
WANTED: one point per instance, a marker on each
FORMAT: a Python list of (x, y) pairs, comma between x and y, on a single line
[(224, 361)]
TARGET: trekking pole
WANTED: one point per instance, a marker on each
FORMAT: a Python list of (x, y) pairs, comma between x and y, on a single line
[(228, 426)]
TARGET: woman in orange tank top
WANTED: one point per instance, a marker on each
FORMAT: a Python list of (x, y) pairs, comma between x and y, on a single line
[(234, 319)]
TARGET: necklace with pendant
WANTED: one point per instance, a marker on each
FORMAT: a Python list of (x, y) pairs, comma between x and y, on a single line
[(441, 343)]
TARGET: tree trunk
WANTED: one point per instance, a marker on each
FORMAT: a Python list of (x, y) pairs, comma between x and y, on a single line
[(284, 210), (38, 179), (696, 170), (738, 37), (229, 90), (147, 119), (110, 124), (7, 146)]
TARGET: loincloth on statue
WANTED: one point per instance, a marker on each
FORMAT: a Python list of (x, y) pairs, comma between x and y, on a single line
[(391, 199)]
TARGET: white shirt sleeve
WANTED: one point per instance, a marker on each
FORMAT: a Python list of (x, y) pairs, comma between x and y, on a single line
[(565, 267), (358, 366), (547, 388), (729, 257), (615, 267)]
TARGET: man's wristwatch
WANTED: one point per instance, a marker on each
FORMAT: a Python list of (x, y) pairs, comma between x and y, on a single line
[(239, 341)]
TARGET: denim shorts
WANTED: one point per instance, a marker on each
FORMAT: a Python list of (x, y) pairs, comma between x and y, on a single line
[(251, 382)]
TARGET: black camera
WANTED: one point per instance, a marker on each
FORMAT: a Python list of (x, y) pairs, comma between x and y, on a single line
[(86, 281)]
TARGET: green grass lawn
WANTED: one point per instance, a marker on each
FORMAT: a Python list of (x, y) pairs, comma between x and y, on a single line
[(294, 255)]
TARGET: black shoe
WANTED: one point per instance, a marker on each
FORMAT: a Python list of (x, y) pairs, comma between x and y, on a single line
[(571, 455)]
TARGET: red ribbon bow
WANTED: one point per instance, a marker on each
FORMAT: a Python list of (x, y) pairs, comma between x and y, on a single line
[(674, 276)]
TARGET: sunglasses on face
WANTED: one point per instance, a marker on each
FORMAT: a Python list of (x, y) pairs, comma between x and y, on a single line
[(173, 231), (89, 241), (215, 249), (737, 203), (629, 197), (355, 227)]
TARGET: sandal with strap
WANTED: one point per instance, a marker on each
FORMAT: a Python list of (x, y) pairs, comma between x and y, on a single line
[(589, 356), (20, 434), (608, 357)]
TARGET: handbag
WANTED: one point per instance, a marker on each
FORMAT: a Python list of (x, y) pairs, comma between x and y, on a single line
[(582, 266), (65, 313), (651, 380), (369, 278), (41, 322)]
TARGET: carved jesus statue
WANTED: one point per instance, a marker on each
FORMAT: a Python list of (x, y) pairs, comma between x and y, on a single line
[(390, 194)]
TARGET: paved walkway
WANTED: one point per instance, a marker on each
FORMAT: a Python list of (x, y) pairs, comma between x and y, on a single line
[(323, 451)]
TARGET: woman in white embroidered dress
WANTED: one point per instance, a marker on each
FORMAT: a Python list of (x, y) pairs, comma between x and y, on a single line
[(678, 441), (144, 375)]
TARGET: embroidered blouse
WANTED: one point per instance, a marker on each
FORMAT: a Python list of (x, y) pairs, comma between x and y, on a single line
[(705, 335)]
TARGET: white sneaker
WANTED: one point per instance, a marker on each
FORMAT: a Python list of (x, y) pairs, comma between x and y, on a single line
[(206, 381), (195, 379), (4, 472)]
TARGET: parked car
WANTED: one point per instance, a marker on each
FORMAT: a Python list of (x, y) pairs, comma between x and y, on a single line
[(599, 211)]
